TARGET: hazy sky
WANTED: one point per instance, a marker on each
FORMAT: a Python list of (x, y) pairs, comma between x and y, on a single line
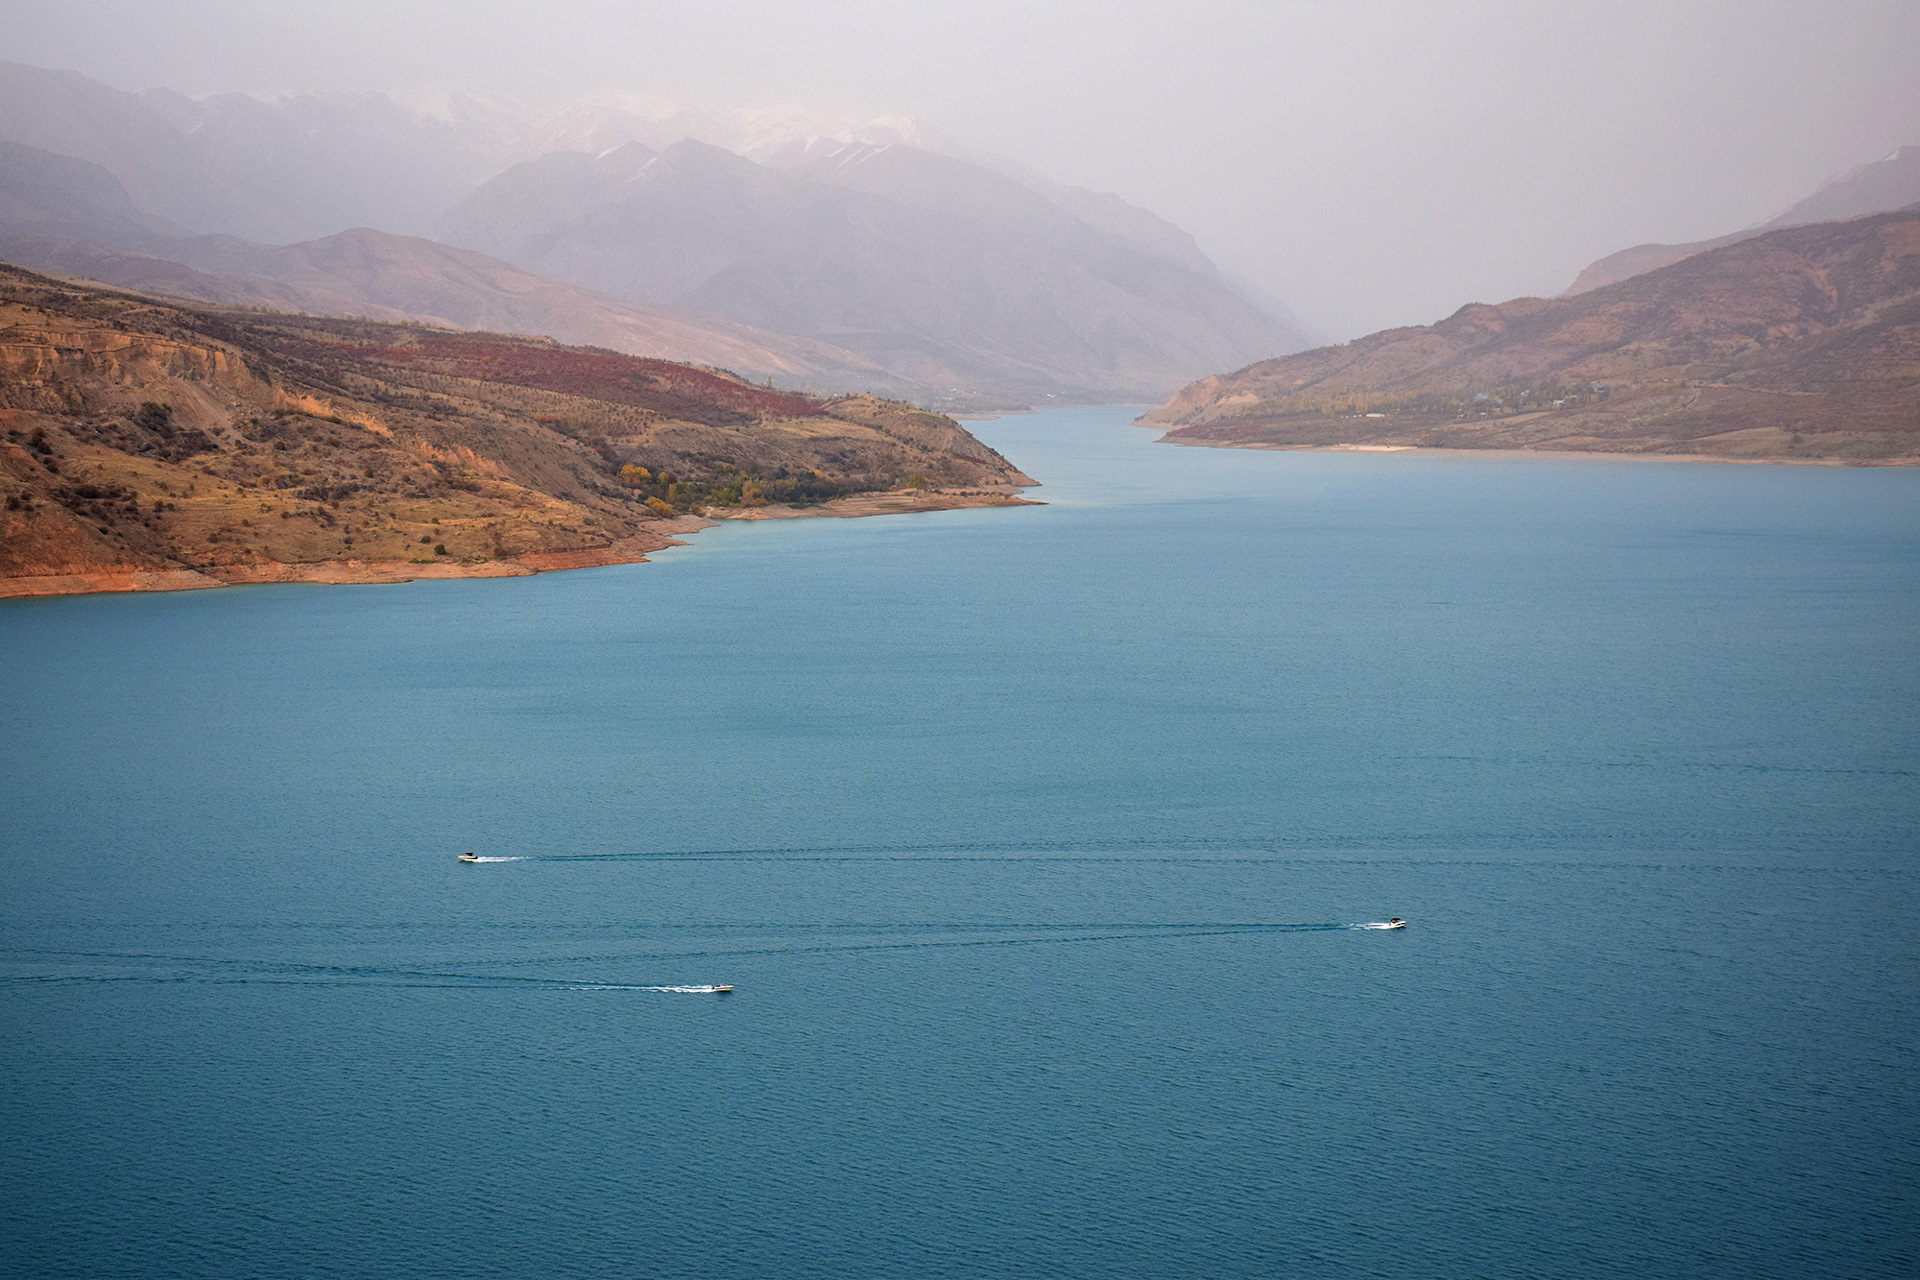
[(1372, 162)]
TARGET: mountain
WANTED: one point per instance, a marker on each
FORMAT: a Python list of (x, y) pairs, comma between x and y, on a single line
[(300, 166), (1103, 211), (1799, 343), (1881, 187), (1642, 258), (272, 170), (151, 445), (1001, 194), (385, 277), (74, 218), (876, 251), (306, 165), (602, 121), (42, 193), (941, 271), (1148, 231)]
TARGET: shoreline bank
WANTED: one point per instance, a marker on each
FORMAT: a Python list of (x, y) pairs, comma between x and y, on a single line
[(1572, 455), (116, 580)]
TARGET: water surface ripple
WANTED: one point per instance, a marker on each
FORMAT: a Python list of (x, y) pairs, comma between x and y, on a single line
[(1035, 845)]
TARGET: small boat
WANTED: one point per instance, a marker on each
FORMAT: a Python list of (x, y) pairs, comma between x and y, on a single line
[(1395, 923), (469, 857)]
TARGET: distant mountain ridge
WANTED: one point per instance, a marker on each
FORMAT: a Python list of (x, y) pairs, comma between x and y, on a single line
[(937, 269), (73, 217), (306, 165), (865, 246), (1883, 186), (1798, 343)]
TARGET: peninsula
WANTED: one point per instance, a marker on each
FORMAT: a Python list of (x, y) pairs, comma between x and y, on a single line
[(1799, 345), (148, 445)]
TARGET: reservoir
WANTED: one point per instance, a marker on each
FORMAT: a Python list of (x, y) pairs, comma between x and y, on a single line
[(1031, 842)]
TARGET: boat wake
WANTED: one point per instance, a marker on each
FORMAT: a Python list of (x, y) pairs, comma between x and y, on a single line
[(484, 859), (685, 991), (868, 937)]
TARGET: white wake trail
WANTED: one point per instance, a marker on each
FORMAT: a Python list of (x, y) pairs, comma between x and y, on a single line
[(686, 991)]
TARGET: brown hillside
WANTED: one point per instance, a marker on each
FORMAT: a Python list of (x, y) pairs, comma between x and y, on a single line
[(148, 445), (1802, 343)]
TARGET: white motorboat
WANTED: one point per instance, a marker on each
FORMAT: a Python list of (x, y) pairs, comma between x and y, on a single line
[(469, 857), (1395, 923)]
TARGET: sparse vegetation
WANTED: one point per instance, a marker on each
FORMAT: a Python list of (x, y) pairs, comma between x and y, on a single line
[(303, 440), (1793, 344)]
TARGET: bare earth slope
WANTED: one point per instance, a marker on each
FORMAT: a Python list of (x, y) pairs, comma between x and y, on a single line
[(1802, 343), (144, 445)]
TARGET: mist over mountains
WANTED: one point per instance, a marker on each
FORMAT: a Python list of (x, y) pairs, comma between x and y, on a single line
[(1883, 186), (820, 253), (940, 270)]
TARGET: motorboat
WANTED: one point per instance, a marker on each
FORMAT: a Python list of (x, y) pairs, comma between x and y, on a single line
[(469, 857), (1395, 923)]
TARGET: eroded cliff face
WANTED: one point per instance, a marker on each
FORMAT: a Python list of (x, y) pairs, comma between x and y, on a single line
[(1796, 344), (146, 446), (62, 366), (73, 369)]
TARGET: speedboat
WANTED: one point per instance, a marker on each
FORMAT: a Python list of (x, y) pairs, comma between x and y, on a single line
[(469, 857), (1395, 923)]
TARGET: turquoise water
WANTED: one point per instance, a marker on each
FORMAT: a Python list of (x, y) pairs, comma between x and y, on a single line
[(1029, 840)]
